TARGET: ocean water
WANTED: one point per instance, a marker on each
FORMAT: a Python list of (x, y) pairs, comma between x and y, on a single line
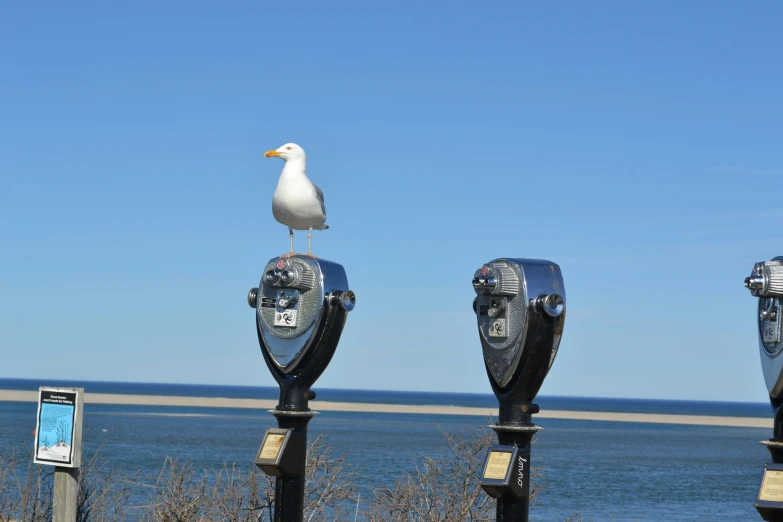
[(602, 470)]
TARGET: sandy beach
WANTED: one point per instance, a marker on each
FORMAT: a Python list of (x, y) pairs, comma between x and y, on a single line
[(219, 402)]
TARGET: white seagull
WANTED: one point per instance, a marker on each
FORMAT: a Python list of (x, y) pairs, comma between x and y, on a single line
[(298, 203)]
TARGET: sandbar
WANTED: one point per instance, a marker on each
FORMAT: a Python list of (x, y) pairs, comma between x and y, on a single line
[(361, 407)]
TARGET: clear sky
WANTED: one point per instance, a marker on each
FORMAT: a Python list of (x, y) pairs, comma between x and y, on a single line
[(636, 144)]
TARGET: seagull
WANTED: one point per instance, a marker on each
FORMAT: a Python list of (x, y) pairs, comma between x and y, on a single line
[(298, 203)]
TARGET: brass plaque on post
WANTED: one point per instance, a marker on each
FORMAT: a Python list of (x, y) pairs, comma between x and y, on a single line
[(771, 489), (282, 452), (271, 446), (497, 465), (505, 474)]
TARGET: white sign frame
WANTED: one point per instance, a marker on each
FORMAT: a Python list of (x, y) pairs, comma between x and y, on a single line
[(58, 427)]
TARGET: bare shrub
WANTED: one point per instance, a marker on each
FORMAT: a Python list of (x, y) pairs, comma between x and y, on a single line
[(330, 492), (25, 488), (232, 494), (104, 492), (444, 489), (180, 494)]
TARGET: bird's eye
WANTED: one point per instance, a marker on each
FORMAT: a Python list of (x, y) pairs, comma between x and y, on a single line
[(288, 148)]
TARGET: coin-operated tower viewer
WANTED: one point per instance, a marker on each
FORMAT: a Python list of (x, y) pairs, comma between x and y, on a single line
[(520, 307), (301, 306), (766, 283)]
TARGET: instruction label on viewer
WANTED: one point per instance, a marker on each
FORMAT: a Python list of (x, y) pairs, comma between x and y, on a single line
[(497, 465), (772, 486)]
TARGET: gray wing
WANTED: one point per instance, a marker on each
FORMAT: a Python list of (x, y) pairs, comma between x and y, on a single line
[(320, 195)]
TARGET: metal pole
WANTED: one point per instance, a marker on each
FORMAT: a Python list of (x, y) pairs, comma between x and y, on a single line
[(516, 509), (775, 447), (290, 490), (66, 492), (515, 428)]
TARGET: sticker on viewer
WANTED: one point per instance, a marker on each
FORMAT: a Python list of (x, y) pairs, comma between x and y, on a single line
[(497, 328), (286, 318)]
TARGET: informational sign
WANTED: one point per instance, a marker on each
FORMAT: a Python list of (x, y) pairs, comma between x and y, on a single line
[(58, 427), (771, 489), (497, 465), (271, 447)]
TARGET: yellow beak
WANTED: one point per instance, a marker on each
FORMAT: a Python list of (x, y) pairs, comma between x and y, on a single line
[(271, 154)]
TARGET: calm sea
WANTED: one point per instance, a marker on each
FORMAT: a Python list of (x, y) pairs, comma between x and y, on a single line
[(602, 470)]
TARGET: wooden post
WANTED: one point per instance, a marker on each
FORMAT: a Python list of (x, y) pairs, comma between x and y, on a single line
[(66, 492), (58, 443)]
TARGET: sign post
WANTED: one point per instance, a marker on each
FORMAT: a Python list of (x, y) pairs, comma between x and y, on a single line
[(58, 442)]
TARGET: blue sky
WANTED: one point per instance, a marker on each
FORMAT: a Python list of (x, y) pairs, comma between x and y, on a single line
[(637, 145)]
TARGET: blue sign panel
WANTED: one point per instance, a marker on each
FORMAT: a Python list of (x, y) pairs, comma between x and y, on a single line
[(54, 434)]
